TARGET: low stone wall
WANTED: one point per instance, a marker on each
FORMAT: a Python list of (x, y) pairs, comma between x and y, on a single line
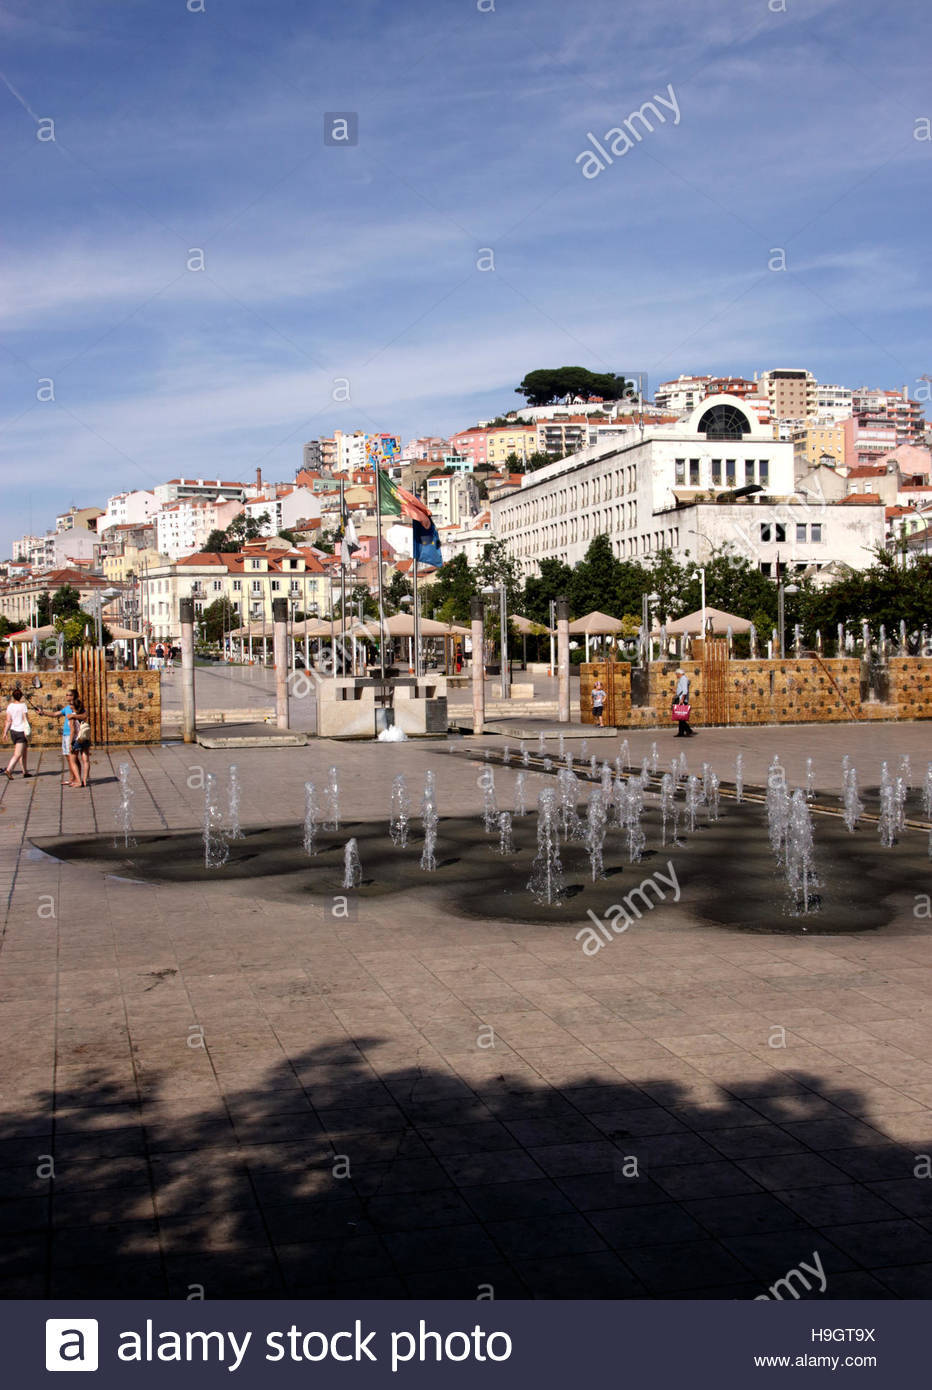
[(134, 704), (808, 691)]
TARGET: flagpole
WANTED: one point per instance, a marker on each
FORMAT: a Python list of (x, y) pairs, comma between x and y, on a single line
[(378, 528), (417, 618), (343, 545)]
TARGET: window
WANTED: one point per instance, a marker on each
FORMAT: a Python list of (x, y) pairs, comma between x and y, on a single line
[(765, 532), (800, 530), (764, 471), (816, 532), (255, 564), (680, 472), (693, 472), (276, 585), (237, 585), (748, 470), (730, 472), (217, 586), (257, 586), (717, 471), (779, 531), (765, 568)]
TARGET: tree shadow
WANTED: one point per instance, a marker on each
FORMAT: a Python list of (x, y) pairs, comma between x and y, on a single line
[(336, 1175)]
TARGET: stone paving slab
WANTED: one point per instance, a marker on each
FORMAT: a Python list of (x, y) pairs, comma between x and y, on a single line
[(262, 1098)]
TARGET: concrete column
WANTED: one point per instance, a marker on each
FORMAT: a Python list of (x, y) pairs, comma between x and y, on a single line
[(563, 661), (280, 657), (477, 616), (188, 718)]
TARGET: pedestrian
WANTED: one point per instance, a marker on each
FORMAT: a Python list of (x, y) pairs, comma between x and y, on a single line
[(598, 703), (681, 706), (459, 660), (159, 657), (17, 726), (68, 713), (170, 656), (82, 740)]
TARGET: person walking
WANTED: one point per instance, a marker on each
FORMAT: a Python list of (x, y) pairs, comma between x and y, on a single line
[(68, 713), (599, 695), (17, 726), (681, 703), (82, 740)]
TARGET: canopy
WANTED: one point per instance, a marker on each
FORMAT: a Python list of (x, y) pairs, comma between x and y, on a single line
[(123, 634), (33, 634), (402, 625), (595, 625), (692, 623), (527, 627)]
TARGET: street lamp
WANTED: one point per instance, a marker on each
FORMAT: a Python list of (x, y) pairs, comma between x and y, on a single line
[(491, 590), (782, 590), (700, 575)]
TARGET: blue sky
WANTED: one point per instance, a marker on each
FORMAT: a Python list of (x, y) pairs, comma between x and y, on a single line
[(180, 128)]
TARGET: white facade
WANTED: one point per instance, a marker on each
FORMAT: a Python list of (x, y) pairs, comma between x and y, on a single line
[(183, 527), (201, 489), (469, 541), (682, 395), (452, 499), (656, 492), (298, 504), (128, 509), (833, 402)]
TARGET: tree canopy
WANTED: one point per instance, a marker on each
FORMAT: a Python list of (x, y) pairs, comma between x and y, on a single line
[(545, 385)]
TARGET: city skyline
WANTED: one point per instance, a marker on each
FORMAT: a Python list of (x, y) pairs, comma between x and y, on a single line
[(197, 138)]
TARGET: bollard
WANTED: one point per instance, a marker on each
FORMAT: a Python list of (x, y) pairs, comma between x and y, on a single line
[(477, 618), (188, 718), (280, 656), (563, 661)]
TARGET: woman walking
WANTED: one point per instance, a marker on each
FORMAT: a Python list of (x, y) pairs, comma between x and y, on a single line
[(16, 725), (82, 740), (681, 706)]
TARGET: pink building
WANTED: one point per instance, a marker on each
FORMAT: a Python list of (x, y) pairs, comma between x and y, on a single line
[(473, 444), (868, 439)]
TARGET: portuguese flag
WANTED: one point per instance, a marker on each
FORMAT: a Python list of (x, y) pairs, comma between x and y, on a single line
[(397, 501)]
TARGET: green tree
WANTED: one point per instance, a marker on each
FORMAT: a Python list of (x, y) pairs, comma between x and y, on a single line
[(552, 583), (44, 609), (215, 543), (217, 618), (399, 587), (66, 602), (498, 567), (547, 384), (447, 598)]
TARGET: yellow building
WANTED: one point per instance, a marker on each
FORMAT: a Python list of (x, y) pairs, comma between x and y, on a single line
[(818, 438), (511, 439), (133, 561), (249, 580)]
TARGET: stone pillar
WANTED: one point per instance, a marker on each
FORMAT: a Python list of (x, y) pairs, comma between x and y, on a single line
[(280, 657), (188, 719), (477, 618), (563, 661)]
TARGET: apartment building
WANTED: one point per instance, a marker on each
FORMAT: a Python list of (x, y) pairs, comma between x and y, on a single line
[(19, 596), (78, 519), (867, 439), (472, 443), (183, 527), (833, 402), (792, 392), (894, 406), (249, 580), (133, 508), (817, 440), (682, 395), (715, 478), (285, 507), (510, 439), (203, 490)]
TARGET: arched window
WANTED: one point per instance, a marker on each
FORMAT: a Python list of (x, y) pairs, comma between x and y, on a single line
[(724, 422)]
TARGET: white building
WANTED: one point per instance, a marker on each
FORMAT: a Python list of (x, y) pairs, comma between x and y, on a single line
[(285, 509), (203, 489), (467, 540), (792, 391), (183, 527), (715, 478), (833, 402), (682, 395), (128, 509), (452, 499)]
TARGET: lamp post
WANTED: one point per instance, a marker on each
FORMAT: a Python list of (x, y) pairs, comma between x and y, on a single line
[(700, 575), (782, 591), (491, 590)]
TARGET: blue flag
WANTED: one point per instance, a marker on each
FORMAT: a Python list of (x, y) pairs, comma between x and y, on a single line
[(427, 544)]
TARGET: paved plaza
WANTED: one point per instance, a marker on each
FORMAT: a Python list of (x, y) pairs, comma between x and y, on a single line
[(215, 1091)]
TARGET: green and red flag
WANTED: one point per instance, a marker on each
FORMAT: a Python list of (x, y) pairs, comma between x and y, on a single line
[(398, 501)]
